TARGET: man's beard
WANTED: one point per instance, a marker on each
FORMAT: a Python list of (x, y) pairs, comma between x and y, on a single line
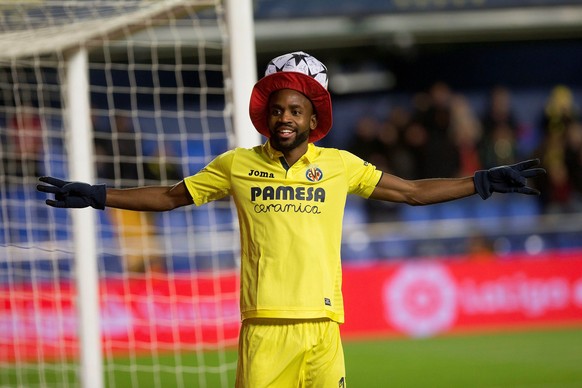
[(300, 138)]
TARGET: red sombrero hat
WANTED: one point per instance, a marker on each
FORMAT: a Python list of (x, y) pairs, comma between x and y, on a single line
[(297, 71)]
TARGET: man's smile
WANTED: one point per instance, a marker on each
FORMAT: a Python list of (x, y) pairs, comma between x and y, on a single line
[(284, 131)]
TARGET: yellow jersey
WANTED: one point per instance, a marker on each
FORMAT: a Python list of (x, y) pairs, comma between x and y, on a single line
[(290, 221)]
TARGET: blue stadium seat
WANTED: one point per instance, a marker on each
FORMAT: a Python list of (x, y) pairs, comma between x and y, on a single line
[(416, 213), (394, 248), (522, 206), (355, 212), (452, 210)]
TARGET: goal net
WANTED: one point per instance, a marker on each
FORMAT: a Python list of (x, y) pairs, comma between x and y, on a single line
[(160, 109)]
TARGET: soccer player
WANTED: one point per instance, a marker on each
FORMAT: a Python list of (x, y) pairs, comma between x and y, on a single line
[(290, 196)]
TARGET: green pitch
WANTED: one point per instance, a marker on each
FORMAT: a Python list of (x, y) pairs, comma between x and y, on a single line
[(551, 359), (533, 359)]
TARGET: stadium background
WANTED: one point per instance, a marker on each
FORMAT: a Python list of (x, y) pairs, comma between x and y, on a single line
[(506, 264)]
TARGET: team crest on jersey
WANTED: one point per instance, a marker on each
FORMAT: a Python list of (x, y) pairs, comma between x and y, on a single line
[(313, 173)]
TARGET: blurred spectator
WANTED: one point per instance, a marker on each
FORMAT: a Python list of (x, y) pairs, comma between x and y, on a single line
[(415, 140), (561, 153), (116, 148), (365, 140), (392, 157), (367, 145), (559, 112), (499, 111), (573, 161), (160, 170), (499, 145), (399, 160), (433, 112), (434, 109), (23, 150), (466, 132), (480, 248)]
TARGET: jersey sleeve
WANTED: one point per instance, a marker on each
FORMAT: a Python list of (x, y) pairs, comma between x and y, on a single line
[(213, 181), (362, 176)]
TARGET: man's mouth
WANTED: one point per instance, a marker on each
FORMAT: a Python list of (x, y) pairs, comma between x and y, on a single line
[(285, 132)]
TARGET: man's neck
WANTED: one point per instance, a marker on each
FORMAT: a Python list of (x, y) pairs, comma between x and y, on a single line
[(295, 154)]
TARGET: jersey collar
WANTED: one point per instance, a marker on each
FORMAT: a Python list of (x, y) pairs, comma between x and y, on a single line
[(274, 154)]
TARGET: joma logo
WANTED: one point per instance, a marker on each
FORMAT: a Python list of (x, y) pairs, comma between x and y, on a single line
[(261, 174)]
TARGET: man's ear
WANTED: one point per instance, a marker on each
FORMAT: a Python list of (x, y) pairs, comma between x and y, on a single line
[(313, 122)]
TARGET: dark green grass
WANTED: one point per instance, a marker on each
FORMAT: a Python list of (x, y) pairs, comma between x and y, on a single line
[(535, 359), (521, 359)]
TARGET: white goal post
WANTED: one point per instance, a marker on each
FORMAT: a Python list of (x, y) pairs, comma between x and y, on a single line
[(126, 92)]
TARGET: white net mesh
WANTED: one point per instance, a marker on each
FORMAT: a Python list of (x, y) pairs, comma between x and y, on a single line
[(160, 111)]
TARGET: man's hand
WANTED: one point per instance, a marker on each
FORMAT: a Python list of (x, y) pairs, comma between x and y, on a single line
[(508, 179), (73, 194)]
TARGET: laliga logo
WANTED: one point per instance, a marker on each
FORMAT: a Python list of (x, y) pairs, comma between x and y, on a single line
[(420, 299), (313, 174)]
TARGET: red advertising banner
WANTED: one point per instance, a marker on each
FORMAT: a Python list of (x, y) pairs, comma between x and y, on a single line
[(424, 298), (138, 314), (416, 298)]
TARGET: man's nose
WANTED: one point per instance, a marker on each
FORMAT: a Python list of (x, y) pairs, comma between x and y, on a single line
[(285, 116)]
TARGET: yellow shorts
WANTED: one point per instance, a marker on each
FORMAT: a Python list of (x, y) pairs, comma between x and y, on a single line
[(284, 353)]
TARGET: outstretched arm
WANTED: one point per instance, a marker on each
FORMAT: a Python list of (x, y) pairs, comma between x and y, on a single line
[(423, 191), (503, 179), (148, 198)]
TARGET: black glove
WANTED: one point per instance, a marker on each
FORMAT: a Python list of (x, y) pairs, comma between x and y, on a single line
[(73, 194), (508, 179)]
